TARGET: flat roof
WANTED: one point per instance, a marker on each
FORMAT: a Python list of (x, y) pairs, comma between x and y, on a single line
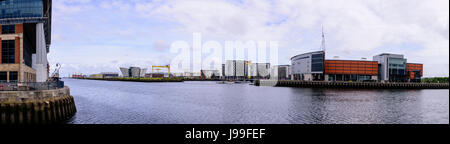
[(414, 63), (350, 60), (382, 54)]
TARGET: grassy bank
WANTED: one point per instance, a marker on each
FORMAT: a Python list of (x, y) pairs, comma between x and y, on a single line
[(435, 80)]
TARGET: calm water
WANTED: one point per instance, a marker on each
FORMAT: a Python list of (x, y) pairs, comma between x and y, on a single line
[(106, 102)]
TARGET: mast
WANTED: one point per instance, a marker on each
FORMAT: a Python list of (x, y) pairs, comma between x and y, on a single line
[(322, 46)]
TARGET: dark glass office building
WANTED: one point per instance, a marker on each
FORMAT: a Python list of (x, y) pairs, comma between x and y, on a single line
[(25, 37), (21, 8)]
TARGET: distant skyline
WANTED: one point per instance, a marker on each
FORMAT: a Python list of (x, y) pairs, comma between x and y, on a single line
[(93, 36)]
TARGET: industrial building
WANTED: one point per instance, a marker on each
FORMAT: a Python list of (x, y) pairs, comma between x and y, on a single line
[(109, 74), (77, 76), (192, 75), (96, 76), (308, 66), (208, 74), (133, 72), (25, 36), (159, 74), (104, 75)]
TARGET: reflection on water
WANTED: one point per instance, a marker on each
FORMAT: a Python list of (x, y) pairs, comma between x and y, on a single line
[(113, 102)]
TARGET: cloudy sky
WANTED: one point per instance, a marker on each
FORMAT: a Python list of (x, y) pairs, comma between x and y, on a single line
[(93, 36)]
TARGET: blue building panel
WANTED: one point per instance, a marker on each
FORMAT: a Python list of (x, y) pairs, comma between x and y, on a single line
[(21, 8)]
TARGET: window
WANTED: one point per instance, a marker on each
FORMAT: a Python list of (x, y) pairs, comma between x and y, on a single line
[(21, 8), (13, 76), (8, 29), (317, 63), (3, 76), (8, 51)]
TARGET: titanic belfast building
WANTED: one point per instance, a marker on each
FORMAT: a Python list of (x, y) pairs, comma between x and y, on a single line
[(25, 37)]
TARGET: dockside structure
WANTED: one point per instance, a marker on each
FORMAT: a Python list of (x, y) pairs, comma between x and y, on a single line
[(25, 37), (133, 72)]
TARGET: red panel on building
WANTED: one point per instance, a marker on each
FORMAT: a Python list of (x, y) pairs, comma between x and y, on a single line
[(19, 28), (411, 67), (351, 67), (17, 50), (0, 29)]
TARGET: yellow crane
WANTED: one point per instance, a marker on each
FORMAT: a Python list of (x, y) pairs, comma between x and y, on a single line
[(158, 68)]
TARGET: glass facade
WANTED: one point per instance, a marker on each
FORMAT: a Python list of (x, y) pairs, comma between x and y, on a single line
[(8, 29), (20, 8), (397, 66), (27, 51), (8, 51), (397, 69), (317, 63)]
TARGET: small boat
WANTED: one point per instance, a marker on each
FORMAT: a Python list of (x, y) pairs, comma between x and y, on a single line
[(220, 82), (230, 82)]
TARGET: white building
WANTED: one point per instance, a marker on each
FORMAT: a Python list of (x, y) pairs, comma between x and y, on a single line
[(308, 66), (236, 68), (259, 70), (281, 72)]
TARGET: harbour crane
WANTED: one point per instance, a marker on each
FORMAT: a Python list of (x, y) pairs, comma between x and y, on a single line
[(55, 75), (158, 68)]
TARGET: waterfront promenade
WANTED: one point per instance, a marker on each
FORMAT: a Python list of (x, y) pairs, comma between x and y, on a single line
[(366, 85), (294, 83)]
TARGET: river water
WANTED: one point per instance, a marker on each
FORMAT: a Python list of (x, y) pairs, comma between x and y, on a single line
[(115, 102)]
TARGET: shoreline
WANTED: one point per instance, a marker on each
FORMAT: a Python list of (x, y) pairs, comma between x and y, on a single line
[(360, 85), (303, 84)]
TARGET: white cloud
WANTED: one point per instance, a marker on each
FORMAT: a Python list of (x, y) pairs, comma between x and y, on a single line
[(354, 28)]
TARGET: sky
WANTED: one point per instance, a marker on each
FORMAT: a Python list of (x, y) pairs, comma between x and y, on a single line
[(93, 36)]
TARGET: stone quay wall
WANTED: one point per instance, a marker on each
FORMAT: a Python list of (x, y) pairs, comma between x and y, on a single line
[(36, 107), (365, 85)]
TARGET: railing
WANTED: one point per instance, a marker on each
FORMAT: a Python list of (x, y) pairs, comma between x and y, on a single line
[(27, 86)]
